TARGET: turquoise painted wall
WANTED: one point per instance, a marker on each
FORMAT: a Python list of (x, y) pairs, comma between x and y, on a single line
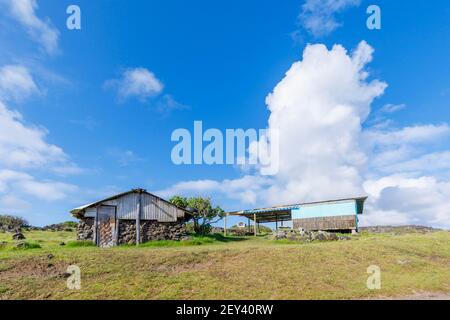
[(325, 210)]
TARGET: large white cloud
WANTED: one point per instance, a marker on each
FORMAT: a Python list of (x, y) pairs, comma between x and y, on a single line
[(14, 183), (23, 146), (319, 108), (24, 149)]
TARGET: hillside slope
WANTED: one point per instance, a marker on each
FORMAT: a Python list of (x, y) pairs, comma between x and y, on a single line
[(252, 268)]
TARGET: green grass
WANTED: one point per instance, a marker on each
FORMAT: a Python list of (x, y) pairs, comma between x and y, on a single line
[(217, 267), (25, 245), (77, 244)]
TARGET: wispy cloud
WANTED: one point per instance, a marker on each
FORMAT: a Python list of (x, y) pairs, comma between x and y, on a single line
[(138, 83), (16, 83), (142, 84), (40, 30), (391, 108), (89, 123), (318, 17), (124, 157), (167, 104)]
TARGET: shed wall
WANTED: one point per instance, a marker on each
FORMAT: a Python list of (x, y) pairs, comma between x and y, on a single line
[(327, 223), (153, 208), (325, 210)]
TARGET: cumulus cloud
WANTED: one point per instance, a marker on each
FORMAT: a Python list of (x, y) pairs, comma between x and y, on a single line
[(399, 199), (24, 149), (319, 16), (25, 146), (407, 135), (246, 189), (136, 83), (319, 109), (41, 31), (18, 155), (16, 83), (14, 182)]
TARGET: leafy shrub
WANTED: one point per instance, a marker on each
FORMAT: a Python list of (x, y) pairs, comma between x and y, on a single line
[(26, 245)]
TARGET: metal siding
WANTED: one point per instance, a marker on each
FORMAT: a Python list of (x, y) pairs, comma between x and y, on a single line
[(154, 208), (110, 203), (90, 213), (127, 206), (325, 210)]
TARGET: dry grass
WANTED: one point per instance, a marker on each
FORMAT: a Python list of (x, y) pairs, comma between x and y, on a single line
[(250, 269)]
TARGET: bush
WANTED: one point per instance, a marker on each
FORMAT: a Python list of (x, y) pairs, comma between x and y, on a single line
[(80, 243), (63, 226), (12, 223), (26, 246)]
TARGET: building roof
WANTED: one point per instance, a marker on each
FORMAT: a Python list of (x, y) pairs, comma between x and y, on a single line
[(283, 212), (76, 212)]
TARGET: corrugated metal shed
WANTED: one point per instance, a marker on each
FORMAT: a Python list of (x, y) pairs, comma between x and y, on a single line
[(127, 203)]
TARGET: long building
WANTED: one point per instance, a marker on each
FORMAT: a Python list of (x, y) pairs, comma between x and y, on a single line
[(339, 215)]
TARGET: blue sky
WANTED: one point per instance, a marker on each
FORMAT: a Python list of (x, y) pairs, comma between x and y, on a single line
[(88, 113)]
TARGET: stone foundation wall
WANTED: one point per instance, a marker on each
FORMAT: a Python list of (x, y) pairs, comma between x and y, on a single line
[(85, 229), (127, 231), (151, 230)]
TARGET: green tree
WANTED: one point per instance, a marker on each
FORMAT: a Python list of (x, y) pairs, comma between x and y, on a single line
[(179, 201), (202, 211), (12, 223)]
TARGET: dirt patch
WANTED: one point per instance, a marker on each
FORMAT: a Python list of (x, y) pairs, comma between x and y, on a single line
[(41, 267)]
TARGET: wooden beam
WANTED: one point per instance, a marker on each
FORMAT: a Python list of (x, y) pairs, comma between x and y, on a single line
[(138, 220), (225, 225), (254, 223), (96, 227), (116, 231)]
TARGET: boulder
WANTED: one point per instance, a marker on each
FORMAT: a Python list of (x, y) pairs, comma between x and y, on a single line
[(18, 236), (302, 235)]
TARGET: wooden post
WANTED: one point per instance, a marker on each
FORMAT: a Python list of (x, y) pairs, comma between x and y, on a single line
[(96, 227), (116, 236), (254, 223), (225, 225), (138, 220), (276, 221)]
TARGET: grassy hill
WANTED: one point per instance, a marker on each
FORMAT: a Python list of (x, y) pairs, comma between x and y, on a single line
[(226, 268)]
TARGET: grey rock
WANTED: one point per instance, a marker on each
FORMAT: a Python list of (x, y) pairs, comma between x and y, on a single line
[(18, 236)]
